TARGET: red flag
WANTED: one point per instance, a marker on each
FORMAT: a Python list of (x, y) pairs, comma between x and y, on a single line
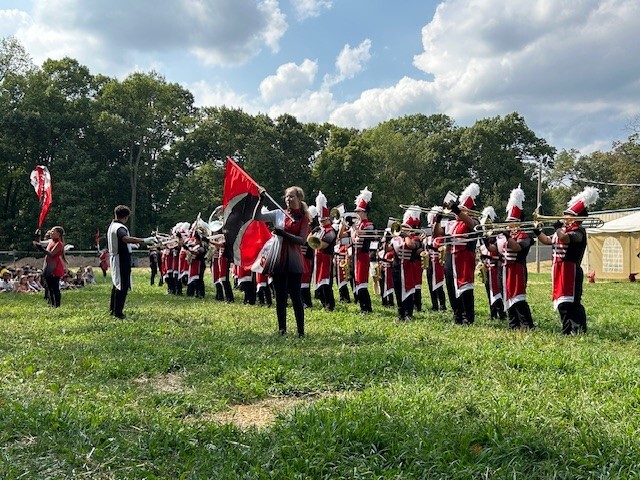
[(41, 181), (244, 236)]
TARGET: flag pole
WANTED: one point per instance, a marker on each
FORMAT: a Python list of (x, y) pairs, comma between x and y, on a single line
[(278, 205)]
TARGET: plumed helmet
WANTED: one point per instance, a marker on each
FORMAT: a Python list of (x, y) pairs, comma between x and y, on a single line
[(514, 205), (578, 205), (363, 199)]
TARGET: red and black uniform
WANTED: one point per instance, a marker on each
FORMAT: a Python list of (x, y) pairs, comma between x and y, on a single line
[(460, 264), (307, 273), (403, 273), (263, 289), (287, 272), (493, 284), (385, 259), (567, 278), (195, 281), (341, 255), (361, 264), (435, 274), (416, 267), (514, 279), (323, 279)]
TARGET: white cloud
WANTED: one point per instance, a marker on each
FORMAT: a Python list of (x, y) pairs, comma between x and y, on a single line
[(308, 107), (310, 8), (206, 95), (350, 62), (112, 34), (376, 105), (565, 66), (290, 80)]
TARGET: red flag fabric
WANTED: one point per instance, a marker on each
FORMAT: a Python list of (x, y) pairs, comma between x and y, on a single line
[(243, 235), (41, 181)]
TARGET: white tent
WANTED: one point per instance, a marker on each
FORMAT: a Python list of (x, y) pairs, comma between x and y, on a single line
[(613, 249)]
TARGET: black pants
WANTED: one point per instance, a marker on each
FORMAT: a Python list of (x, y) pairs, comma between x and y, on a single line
[(405, 308), (462, 306), (306, 296), (325, 295), (249, 289), (496, 309), (364, 299), (154, 272), (344, 294), (572, 314), (118, 297), (264, 296), (288, 284), (520, 316), (437, 295), (53, 289)]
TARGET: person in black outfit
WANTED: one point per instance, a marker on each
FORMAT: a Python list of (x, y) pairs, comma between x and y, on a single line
[(119, 242), (153, 263)]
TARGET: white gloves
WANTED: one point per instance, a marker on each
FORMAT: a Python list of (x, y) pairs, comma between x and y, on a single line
[(150, 240)]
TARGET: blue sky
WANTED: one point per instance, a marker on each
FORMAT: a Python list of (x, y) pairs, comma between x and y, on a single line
[(570, 67)]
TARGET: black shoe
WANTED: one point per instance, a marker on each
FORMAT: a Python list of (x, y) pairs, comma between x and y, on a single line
[(121, 316)]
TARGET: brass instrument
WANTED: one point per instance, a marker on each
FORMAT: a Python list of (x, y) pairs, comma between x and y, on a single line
[(442, 253), (488, 227), (427, 211), (345, 265), (164, 240), (587, 222), (218, 238), (314, 240), (397, 229), (424, 259)]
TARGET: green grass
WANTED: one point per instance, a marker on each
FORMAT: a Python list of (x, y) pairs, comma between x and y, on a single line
[(86, 396)]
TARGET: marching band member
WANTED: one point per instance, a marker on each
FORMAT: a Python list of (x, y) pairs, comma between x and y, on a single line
[(324, 255), (492, 264), (360, 244), (263, 289), (385, 259), (195, 282), (404, 279), (221, 267), (435, 270), (415, 263), (342, 269), (287, 274), (308, 255), (460, 259), (568, 244), (513, 246), (119, 243)]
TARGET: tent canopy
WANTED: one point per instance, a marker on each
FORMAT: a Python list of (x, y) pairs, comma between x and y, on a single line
[(627, 224)]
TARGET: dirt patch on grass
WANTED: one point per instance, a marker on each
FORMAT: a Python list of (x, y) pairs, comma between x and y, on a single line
[(264, 412), (167, 383)]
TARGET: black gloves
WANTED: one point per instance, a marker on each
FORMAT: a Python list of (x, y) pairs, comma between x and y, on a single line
[(557, 225), (454, 207), (537, 232), (438, 218), (278, 232)]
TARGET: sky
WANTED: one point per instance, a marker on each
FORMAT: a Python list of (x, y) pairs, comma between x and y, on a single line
[(571, 68)]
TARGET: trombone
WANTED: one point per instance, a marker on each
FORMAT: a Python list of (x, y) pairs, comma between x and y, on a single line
[(587, 222), (427, 211), (398, 230)]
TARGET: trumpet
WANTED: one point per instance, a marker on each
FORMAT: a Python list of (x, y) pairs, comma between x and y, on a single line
[(587, 222), (165, 240)]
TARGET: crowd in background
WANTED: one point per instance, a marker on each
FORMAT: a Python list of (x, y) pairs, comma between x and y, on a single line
[(28, 279)]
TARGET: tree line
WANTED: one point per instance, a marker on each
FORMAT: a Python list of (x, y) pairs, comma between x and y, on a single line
[(141, 141)]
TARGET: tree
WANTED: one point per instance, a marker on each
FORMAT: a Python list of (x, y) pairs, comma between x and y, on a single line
[(144, 115)]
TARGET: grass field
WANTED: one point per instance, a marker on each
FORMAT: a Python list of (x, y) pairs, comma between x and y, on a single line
[(188, 388)]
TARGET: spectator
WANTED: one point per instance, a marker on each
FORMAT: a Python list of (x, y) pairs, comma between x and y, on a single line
[(6, 283)]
